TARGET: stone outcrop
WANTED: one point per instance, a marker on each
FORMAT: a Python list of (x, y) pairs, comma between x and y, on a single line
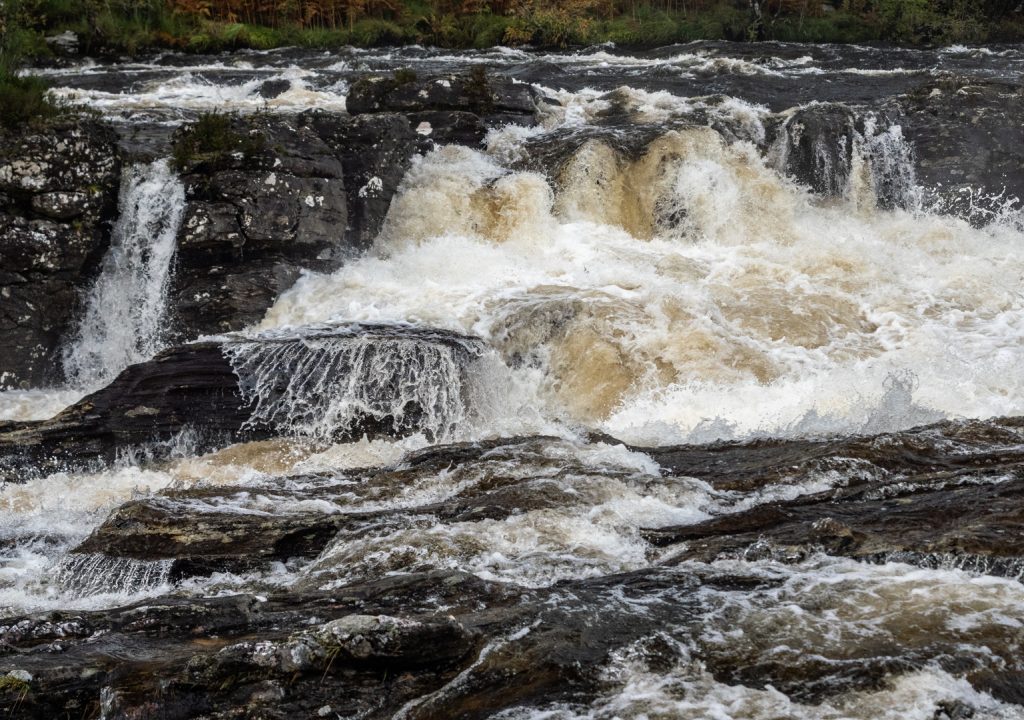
[(375, 151), (58, 192), (199, 395), (969, 142), (495, 99), (814, 145), (253, 222), (371, 646)]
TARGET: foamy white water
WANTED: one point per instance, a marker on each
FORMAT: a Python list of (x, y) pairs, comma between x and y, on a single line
[(638, 263), (694, 292)]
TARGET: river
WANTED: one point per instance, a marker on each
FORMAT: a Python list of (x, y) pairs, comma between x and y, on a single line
[(706, 386)]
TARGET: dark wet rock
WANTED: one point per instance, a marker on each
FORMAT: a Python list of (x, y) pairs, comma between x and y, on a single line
[(163, 529), (497, 99), (448, 127), (957, 521), (942, 450), (366, 654), (375, 151), (253, 221), (968, 140), (58, 192), (195, 395), (193, 386), (271, 89), (815, 145), (370, 647), (204, 530)]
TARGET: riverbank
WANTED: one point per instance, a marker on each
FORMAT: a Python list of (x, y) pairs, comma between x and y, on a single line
[(115, 28)]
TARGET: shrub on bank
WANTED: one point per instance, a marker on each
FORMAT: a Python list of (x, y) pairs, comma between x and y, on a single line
[(130, 26), (24, 102)]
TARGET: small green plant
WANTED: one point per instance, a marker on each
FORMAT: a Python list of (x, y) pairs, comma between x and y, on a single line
[(213, 139), (12, 685), (404, 76)]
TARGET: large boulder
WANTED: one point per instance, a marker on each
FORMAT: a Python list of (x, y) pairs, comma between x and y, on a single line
[(375, 151), (254, 220), (58, 191), (208, 394), (814, 144)]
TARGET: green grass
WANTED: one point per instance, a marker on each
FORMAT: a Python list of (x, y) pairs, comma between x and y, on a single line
[(24, 102)]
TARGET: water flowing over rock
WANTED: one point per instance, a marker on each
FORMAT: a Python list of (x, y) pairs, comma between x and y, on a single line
[(678, 383), (58, 189), (330, 384), (320, 385)]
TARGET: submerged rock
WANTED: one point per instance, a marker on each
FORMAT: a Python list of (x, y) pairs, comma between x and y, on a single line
[(58, 192)]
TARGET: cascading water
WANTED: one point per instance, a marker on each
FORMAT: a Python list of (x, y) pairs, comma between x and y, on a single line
[(123, 320), (700, 289), (318, 387), (94, 574)]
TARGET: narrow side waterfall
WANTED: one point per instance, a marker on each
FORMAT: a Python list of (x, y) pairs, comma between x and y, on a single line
[(123, 321), (407, 379)]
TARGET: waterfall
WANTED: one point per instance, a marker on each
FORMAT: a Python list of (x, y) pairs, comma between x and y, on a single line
[(320, 386), (123, 321)]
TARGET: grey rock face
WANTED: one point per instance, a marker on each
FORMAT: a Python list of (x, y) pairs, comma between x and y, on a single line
[(969, 139), (252, 223), (58, 190), (375, 151)]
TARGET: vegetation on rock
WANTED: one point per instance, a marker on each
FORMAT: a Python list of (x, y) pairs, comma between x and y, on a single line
[(23, 100), (213, 138)]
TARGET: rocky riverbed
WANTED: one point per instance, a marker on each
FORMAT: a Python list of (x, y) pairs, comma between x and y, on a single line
[(506, 384)]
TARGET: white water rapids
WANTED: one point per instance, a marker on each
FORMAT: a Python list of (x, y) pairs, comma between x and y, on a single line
[(755, 308), (683, 291)]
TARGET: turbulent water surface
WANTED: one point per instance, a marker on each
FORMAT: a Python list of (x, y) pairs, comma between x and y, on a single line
[(641, 268)]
